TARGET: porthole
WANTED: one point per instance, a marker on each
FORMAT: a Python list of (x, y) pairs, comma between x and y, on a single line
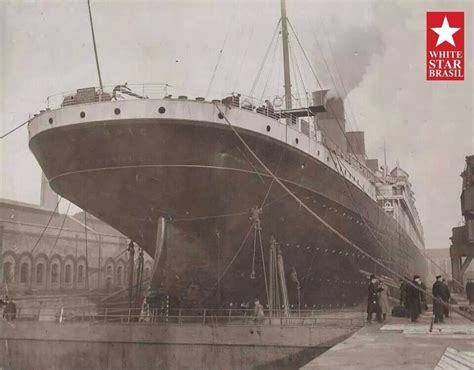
[(268, 128), (161, 110), (117, 111), (220, 115), (82, 114), (50, 121)]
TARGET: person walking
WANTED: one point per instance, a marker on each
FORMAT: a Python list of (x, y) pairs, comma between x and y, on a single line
[(414, 298), (438, 299), (383, 299), (373, 305)]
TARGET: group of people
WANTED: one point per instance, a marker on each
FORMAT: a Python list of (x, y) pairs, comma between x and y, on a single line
[(412, 299), (378, 302)]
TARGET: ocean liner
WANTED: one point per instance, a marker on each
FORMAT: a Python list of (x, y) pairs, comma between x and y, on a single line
[(171, 174)]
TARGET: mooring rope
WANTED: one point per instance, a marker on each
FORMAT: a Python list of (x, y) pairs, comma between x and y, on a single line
[(332, 229)]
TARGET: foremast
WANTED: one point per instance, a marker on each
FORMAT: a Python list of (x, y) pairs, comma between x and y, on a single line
[(286, 56)]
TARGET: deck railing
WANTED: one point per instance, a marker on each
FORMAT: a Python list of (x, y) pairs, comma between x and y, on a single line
[(273, 110), (124, 315), (163, 90)]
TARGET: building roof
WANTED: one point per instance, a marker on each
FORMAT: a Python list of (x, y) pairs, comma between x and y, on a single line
[(31, 214)]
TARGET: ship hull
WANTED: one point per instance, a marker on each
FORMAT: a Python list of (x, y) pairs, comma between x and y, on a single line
[(199, 177)]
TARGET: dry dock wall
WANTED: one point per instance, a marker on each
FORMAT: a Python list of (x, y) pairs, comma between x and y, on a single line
[(37, 345)]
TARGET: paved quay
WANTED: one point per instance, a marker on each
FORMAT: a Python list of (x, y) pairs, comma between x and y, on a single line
[(400, 344)]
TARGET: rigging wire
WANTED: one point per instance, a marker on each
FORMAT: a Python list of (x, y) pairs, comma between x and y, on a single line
[(295, 77), (60, 230), (235, 256), (237, 77), (14, 129), (331, 228), (254, 85), (295, 62), (273, 180), (305, 55), (219, 57), (87, 249), (271, 68), (47, 225)]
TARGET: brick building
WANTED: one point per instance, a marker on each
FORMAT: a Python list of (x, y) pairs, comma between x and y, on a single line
[(45, 252)]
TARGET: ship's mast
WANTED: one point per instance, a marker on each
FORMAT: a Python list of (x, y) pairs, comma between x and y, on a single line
[(95, 46), (286, 56)]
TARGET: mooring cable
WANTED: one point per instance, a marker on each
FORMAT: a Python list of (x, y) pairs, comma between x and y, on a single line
[(331, 228)]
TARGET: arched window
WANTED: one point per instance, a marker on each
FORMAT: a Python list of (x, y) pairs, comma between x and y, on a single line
[(7, 272), (39, 273), (109, 270), (54, 273), (24, 273), (147, 273), (119, 275), (67, 274), (80, 274), (108, 283)]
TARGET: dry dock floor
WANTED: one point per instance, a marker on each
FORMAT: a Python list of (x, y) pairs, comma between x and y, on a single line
[(401, 344)]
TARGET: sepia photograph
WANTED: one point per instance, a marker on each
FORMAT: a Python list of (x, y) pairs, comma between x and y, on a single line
[(236, 184)]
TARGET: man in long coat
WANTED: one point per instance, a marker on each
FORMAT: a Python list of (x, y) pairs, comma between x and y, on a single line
[(446, 297), (438, 298), (373, 305), (414, 298)]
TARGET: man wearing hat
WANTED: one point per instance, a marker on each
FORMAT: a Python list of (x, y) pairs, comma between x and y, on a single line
[(414, 298), (373, 305), (438, 299)]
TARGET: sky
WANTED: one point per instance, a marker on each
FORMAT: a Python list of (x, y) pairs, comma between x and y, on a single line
[(371, 53)]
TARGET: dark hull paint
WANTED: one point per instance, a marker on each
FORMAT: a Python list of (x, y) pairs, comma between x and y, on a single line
[(201, 178)]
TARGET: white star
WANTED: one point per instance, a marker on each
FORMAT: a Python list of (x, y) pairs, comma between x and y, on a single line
[(445, 33)]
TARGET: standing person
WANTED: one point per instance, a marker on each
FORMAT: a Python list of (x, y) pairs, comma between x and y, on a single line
[(373, 305), (259, 314), (145, 311), (9, 312), (470, 291), (438, 294), (414, 298), (383, 299), (446, 297)]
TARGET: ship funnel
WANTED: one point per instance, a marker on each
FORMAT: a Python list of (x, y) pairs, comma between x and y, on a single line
[(373, 164), (320, 97), (332, 123), (356, 144)]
